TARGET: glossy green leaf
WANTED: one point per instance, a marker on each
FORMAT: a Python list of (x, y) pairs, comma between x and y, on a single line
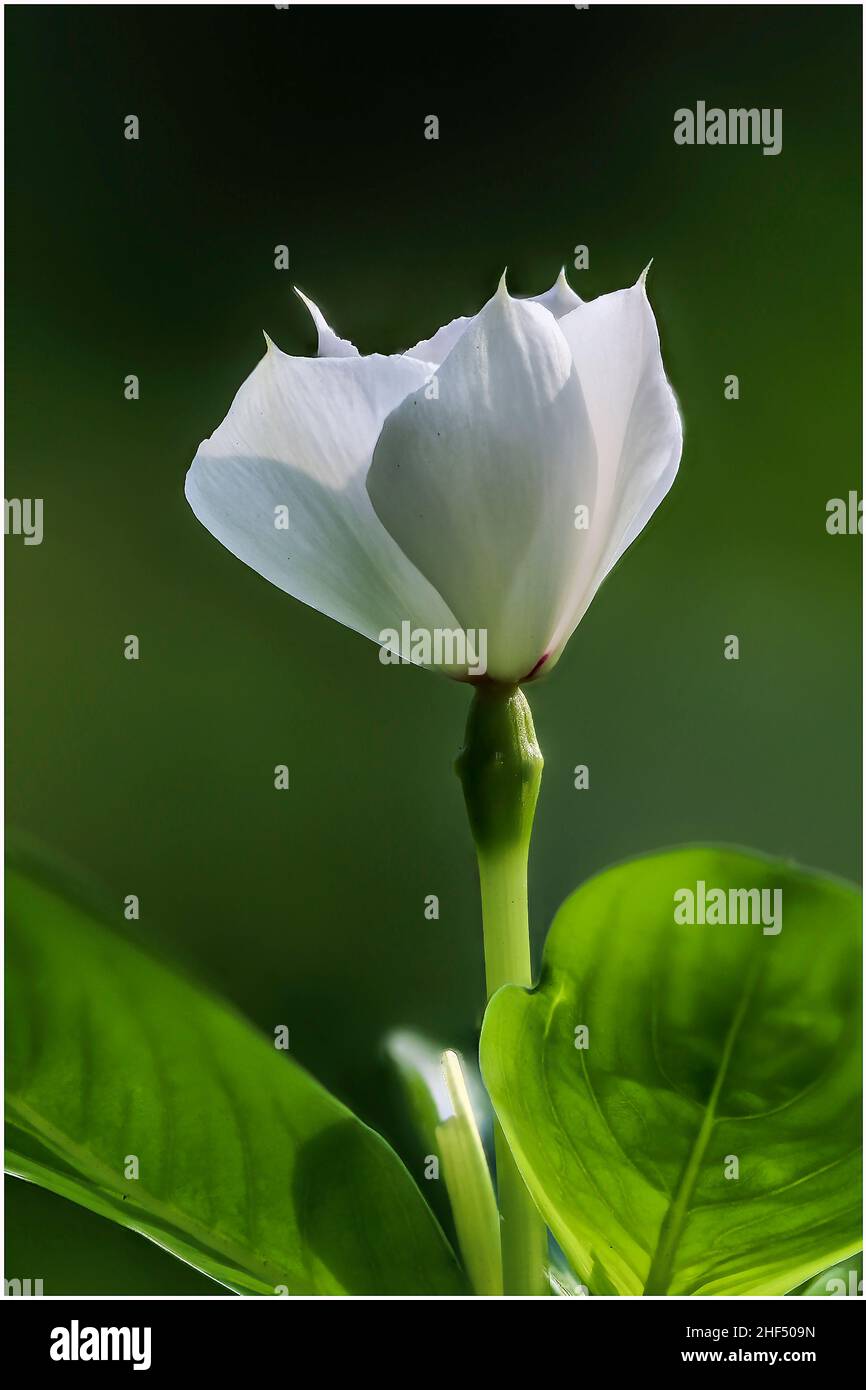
[(247, 1168), (711, 1048), (844, 1280)]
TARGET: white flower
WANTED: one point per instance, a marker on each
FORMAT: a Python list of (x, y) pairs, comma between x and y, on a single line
[(487, 479)]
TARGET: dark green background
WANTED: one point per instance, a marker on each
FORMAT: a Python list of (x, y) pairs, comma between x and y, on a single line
[(305, 126)]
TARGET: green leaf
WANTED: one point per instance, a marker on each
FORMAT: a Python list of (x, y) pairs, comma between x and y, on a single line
[(469, 1184), (248, 1169), (844, 1280), (706, 1043), (417, 1061), (449, 1106)]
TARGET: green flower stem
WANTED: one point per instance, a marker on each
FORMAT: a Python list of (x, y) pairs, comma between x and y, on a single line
[(500, 769), (505, 914)]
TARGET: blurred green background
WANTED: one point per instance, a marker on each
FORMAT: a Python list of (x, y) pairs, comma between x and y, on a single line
[(305, 126)]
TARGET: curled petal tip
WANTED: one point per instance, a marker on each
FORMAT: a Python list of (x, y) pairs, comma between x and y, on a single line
[(502, 288), (641, 279), (270, 345), (330, 345)]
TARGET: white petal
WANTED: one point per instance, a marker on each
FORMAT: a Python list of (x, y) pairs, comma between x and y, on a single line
[(330, 345), (479, 486), (560, 299), (636, 424), (437, 348), (300, 434)]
